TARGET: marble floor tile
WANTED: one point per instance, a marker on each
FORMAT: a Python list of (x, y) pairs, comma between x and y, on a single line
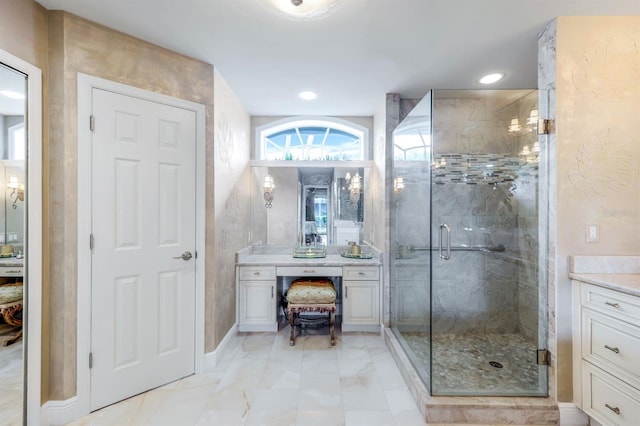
[(11, 379), (261, 380)]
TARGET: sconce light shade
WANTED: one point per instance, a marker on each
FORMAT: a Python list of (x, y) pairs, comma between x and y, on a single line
[(17, 190), (398, 184), (514, 127), (355, 186), (532, 121), (268, 188)]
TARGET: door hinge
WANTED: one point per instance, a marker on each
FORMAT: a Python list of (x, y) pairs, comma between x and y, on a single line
[(92, 123), (90, 359), (545, 126), (90, 241), (543, 357)]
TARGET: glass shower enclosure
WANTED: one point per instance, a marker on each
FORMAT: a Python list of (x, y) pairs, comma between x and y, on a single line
[(468, 288)]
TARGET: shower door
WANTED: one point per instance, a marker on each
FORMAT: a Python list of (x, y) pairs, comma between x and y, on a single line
[(470, 223), (485, 282)]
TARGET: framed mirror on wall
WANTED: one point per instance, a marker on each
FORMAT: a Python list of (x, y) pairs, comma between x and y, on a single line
[(311, 205), (20, 240)]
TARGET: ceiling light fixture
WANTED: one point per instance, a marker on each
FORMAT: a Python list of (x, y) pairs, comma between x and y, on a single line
[(491, 78), (301, 10), (308, 95)]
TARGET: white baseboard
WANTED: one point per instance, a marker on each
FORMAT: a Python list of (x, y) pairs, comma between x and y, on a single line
[(55, 413), (211, 358), (571, 415)]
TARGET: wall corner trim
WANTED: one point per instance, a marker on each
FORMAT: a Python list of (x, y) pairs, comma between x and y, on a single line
[(571, 415), (55, 413), (211, 358)]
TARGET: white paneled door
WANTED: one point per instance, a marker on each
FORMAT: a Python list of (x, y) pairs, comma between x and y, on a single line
[(143, 228)]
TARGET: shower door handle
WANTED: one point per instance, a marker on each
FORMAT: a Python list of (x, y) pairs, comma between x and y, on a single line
[(448, 255)]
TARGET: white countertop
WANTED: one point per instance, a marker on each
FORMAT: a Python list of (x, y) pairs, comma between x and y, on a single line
[(626, 283), (289, 260), (283, 256), (11, 262)]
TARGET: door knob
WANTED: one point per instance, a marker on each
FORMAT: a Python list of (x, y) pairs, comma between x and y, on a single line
[(184, 256)]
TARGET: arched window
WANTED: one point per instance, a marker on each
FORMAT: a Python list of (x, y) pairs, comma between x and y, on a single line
[(312, 139)]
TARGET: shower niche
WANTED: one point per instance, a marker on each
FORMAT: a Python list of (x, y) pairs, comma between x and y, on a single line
[(468, 292)]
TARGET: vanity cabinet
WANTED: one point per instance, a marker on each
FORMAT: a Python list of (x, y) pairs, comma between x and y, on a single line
[(361, 298), (257, 298), (11, 271), (606, 327)]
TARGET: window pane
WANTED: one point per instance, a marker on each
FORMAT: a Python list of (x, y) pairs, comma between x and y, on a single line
[(311, 143)]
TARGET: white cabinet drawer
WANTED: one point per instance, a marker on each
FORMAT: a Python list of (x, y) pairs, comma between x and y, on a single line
[(360, 273), (257, 273), (309, 271), (11, 271), (609, 400), (611, 344), (619, 305)]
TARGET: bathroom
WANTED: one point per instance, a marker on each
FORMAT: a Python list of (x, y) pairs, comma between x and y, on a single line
[(615, 212)]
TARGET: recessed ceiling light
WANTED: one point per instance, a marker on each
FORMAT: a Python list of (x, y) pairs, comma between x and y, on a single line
[(491, 78), (11, 94), (307, 95)]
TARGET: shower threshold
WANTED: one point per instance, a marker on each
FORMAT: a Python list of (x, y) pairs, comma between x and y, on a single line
[(478, 410)]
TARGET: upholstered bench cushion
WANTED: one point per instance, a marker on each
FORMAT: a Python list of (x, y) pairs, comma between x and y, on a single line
[(316, 291), (10, 292)]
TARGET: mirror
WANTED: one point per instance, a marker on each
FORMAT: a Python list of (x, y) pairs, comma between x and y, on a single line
[(12, 224), (311, 205)]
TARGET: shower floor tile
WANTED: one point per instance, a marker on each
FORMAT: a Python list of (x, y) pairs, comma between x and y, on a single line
[(462, 363)]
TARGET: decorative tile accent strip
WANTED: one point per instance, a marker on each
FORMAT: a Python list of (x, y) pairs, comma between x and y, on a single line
[(481, 169)]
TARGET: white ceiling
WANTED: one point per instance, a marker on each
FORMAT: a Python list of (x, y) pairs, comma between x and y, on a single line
[(352, 58)]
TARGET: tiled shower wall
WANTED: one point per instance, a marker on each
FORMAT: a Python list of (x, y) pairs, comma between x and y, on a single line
[(484, 187)]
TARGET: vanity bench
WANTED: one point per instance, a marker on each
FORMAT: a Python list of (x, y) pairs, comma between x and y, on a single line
[(265, 273)]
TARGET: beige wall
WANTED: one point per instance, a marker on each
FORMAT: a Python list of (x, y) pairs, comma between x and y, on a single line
[(23, 31), (77, 45), (232, 142), (597, 152)]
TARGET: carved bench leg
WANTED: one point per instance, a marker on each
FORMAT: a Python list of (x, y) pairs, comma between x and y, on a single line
[(331, 328), (292, 338)]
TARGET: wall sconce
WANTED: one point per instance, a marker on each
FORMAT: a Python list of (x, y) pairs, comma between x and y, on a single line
[(514, 127), (17, 191), (532, 121), (268, 187), (398, 187), (355, 185)]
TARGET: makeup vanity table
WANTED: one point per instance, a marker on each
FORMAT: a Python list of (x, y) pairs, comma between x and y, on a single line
[(264, 273)]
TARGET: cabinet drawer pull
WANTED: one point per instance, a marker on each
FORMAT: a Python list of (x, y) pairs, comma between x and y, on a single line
[(614, 409), (309, 271), (256, 273), (361, 273), (12, 272), (615, 305), (272, 292), (616, 350), (346, 292)]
